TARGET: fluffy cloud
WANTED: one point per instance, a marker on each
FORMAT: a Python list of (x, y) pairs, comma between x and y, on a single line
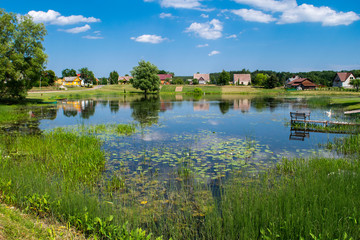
[(77, 29), (154, 39), (166, 15), (204, 15), (202, 45), (251, 15), (214, 53), (270, 5), (324, 15), (55, 18), (181, 3), (210, 30), (291, 12)]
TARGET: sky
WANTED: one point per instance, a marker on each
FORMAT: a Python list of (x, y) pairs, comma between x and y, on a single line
[(189, 36)]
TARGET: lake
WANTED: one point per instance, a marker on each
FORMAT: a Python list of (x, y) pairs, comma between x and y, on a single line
[(214, 135)]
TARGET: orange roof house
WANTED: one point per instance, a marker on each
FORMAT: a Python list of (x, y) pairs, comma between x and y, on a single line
[(301, 84), (242, 79)]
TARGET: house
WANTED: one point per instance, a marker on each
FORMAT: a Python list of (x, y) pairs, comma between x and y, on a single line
[(165, 78), (202, 78), (242, 79), (301, 84), (343, 80), (291, 79), (71, 81), (124, 79)]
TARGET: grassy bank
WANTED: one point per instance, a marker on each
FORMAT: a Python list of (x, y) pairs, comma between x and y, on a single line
[(14, 224), (117, 90)]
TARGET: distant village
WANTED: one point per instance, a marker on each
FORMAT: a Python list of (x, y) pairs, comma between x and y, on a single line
[(341, 80)]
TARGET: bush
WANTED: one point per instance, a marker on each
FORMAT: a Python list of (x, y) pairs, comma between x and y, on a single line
[(198, 91)]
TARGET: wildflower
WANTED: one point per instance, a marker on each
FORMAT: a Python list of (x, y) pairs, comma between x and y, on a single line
[(143, 202)]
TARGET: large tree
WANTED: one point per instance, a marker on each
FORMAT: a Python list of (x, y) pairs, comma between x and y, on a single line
[(87, 75), (114, 77), (22, 56), (224, 78), (68, 73), (145, 77)]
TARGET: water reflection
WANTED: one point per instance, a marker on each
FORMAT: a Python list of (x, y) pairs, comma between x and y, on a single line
[(146, 110)]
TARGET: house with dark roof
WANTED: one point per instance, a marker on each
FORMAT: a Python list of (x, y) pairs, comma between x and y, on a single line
[(165, 78), (343, 80), (301, 84), (242, 79)]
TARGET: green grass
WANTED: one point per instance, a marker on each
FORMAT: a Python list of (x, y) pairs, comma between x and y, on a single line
[(205, 88), (11, 114), (348, 103), (16, 225), (302, 199)]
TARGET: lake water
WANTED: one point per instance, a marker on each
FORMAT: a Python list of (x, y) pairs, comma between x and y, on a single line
[(212, 135)]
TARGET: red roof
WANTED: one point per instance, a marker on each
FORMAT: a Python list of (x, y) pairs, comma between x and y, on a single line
[(164, 76), (343, 76), (304, 81)]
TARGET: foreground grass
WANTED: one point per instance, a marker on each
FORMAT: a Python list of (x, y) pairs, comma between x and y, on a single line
[(11, 114), (16, 225)]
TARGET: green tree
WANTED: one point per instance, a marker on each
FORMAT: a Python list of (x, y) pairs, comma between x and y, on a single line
[(260, 79), (355, 83), (68, 73), (114, 77), (87, 75), (271, 82), (177, 81), (49, 77), (145, 77), (195, 81), (224, 78), (22, 56)]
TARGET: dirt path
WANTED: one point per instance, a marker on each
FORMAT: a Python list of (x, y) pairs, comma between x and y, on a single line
[(66, 91)]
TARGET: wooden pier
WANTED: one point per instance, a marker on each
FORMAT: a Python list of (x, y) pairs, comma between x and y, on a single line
[(302, 117)]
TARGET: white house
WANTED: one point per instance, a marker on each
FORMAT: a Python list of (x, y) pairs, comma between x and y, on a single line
[(242, 79), (203, 78), (343, 80)]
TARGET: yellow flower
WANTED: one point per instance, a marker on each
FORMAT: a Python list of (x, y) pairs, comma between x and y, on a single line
[(143, 202)]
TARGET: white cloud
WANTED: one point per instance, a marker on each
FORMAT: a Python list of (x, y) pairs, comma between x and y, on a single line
[(214, 53), (93, 37), (190, 4), (324, 15), (270, 5), (291, 12), (154, 39), (204, 15), (202, 45), (77, 29), (251, 15), (232, 36), (210, 30), (166, 15), (55, 18)]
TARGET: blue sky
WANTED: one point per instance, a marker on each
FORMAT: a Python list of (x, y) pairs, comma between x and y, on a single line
[(189, 36)]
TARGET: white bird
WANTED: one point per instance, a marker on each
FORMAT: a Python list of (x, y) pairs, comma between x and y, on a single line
[(328, 113)]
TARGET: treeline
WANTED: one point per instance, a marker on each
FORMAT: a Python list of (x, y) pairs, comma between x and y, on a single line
[(319, 77)]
